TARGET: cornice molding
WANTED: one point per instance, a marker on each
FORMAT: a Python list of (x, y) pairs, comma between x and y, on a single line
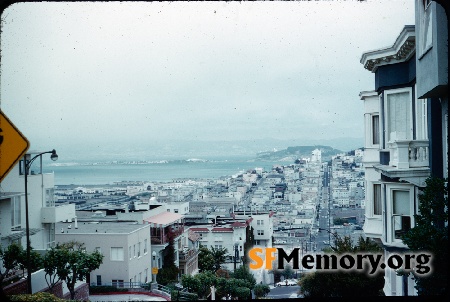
[(402, 50)]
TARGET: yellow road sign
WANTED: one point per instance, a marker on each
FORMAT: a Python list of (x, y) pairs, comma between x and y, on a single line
[(154, 270), (13, 145)]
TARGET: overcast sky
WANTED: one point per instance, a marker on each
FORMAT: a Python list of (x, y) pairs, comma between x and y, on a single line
[(95, 72)]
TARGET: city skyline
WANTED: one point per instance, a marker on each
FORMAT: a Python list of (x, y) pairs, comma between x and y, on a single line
[(94, 74)]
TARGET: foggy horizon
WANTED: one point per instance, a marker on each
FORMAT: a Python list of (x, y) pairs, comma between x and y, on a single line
[(128, 75)]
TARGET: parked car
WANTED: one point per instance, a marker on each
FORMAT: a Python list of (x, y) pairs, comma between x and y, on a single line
[(287, 282)]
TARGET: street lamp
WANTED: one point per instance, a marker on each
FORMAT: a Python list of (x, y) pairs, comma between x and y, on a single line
[(154, 261), (27, 165)]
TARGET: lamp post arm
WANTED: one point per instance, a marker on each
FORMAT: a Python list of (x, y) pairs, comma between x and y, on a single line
[(28, 164)]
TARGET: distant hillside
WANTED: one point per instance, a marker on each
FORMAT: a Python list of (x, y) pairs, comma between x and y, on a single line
[(293, 153)]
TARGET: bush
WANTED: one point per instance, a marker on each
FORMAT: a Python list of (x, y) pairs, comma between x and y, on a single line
[(176, 295), (37, 297), (261, 290), (106, 289)]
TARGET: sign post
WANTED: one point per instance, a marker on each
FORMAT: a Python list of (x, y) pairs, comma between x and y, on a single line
[(13, 145)]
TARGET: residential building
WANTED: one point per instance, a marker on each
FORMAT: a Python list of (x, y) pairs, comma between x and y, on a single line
[(164, 227), (43, 213), (125, 245), (406, 121)]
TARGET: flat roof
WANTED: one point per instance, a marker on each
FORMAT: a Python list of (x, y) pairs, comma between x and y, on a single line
[(164, 219), (94, 227)]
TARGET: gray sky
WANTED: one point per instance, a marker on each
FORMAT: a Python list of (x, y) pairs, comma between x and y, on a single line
[(76, 73)]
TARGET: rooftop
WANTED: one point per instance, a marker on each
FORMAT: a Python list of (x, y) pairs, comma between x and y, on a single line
[(94, 227)]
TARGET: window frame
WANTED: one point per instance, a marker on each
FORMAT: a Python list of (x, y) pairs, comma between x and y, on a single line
[(411, 208), (387, 127), (380, 203), (118, 249)]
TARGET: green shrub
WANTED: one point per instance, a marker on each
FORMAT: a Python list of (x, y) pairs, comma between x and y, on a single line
[(183, 296), (37, 297)]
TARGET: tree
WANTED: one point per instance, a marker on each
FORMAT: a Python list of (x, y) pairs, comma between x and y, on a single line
[(211, 259), (72, 264), (169, 271), (9, 259), (323, 284), (261, 290), (243, 272), (225, 287), (431, 234), (220, 257), (288, 272), (36, 261), (205, 260), (223, 273), (199, 284)]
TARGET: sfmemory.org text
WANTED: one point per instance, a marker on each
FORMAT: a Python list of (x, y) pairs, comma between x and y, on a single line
[(418, 263)]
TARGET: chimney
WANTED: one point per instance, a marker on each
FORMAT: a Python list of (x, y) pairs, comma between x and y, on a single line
[(76, 222)]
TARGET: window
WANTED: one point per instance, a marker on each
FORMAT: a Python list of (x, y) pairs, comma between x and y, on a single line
[(117, 254), (129, 252), (421, 119), (375, 129), (175, 210), (49, 197), (145, 246), (51, 235), (99, 280), (260, 232), (426, 28), (377, 199), (401, 212), (218, 238), (217, 246), (98, 249), (260, 222), (15, 213), (139, 249), (398, 115)]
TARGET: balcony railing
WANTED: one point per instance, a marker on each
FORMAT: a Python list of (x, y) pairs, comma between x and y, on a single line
[(185, 256), (159, 239), (406, 154)]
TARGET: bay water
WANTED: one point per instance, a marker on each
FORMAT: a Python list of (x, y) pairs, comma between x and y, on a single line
[(109, 172)]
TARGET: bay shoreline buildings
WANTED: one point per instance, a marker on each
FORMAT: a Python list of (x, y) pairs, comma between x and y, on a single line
[(129, 222)]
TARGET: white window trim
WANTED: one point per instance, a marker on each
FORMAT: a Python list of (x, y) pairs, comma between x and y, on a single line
[(381, 199), (116, 247), (385, 113), (390, 192)]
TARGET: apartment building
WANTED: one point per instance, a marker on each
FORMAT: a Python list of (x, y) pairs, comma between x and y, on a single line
[(125, 245), (43, 213), (231, 235), (406, 120)]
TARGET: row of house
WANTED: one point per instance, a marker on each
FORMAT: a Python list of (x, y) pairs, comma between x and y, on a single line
[(406, 130)]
